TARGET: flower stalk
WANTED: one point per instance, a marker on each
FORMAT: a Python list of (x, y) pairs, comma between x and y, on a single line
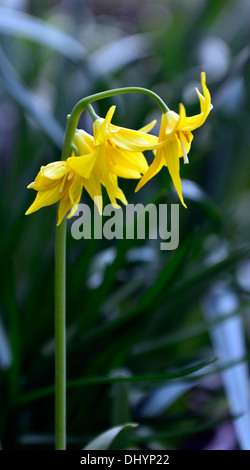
[(85, 103), (60, 314), (60, 337)]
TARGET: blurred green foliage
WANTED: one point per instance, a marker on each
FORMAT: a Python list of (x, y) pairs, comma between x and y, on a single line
[(142, 324)]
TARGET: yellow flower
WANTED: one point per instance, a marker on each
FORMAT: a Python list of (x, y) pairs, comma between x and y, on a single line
[(57, 182), (113, 152), (176, 131)]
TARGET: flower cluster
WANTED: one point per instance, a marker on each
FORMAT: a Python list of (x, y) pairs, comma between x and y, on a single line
[(114, 152), (176, 136)]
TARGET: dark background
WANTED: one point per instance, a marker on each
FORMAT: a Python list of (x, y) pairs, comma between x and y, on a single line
[(132, 310)]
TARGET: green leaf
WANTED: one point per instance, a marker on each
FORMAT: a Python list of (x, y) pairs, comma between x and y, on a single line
[(104, 440), (203, 277), (194, 192), (28, 101), (114, 56), (185, 433), (188, 333), (151, 295), (16, 23), (81, 382)]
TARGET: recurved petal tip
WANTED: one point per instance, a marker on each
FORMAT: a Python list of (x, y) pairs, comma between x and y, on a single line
[(148, 127), (203, 76)]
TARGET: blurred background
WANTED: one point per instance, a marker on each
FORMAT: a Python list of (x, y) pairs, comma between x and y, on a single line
[(173, 325)]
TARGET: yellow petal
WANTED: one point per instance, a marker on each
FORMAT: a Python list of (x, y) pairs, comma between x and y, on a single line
[(93, 187), (118, 193), (75, 190), (131, 160), (49, 175), (206, 105), (42, 183), (84, 142), (101, 127), (169, 123), (134, 140), (83, 165), (73, 211), (123, 172), (64, 206), (196, 121), (186, 138), (182, 118), (148, 127), (106, 175), (154, 168), (45, 198), (171, 155), (108, 179), (54, 170)]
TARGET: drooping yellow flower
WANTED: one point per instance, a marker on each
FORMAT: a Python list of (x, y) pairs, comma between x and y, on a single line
[(111, 153), (176, 131), (57, 182)]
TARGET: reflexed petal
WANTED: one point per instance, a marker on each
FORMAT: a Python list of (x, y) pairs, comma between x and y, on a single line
[(101, 127), (134, 140), (131, 160), (108, 179), (93, 187), (154, 168), (193, 122), (148, 127), (73, 211), (42, 183), (182, 118), (75, 190), (205, 101), (83, 165), (172, 160), (118, 193), (123, 172), (102, 162), (64, 206), (55, 170), (45, 198)]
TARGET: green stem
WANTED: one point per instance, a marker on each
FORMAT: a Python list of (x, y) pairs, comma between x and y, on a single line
[(75, 149), (60, 337), (73, 118), (92, 112), (60, 316)]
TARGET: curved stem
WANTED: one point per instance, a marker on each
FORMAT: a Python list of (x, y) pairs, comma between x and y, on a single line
[(92, 112), (120, 91), (75, 149), (73, 118)]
